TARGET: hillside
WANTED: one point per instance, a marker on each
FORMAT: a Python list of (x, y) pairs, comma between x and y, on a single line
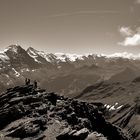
[(28, 113), (121, 100)]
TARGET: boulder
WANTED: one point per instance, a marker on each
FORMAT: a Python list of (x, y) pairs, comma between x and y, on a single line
[(68, 134), (81, 134), (52, 98)]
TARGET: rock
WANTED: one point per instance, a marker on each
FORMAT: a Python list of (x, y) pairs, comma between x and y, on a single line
[(42, 109), (84, 122), (95, 136), (40, 137), (10, 114), (72, 118), (41, 121), (137, 79), (68, 134), (64, 135), (52, 98), (16, 100), (31, 99), (27, 128), (81, 134), (30, 114)]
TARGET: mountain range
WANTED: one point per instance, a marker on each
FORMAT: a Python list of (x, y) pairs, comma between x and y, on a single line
[(70, 73)]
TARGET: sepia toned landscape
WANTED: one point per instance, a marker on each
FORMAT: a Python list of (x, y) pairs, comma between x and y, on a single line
[(69, 70)]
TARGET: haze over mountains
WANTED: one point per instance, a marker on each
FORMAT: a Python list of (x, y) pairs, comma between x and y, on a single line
[(67, 73)]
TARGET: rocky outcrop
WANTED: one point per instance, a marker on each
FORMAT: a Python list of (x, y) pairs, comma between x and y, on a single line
[(26, 113), (129, 120)]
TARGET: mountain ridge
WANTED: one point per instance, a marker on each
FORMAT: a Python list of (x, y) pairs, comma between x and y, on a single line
[(28, 113), (70, 56), (78, 72)]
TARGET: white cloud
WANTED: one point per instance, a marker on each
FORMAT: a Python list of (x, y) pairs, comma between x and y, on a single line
[(85, 12), (125, 31), (131, 41), (131, 38)]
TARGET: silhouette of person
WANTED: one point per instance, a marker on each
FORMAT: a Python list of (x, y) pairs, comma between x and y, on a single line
[(26, 81), (35, 84), (29, 81)]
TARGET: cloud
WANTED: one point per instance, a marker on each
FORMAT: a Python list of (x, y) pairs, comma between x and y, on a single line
[(125, 31), (131, 41), (86, 12), (131, 38)]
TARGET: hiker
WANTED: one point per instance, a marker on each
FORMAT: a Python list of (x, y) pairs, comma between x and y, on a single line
[(35, 84), (28, 83)]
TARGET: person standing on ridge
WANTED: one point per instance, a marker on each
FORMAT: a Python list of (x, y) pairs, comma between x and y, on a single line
[(29, 81), (26, 81), (35, 84)]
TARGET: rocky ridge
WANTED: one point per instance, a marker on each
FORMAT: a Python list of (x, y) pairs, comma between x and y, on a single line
[(26, 113), (121, 100)]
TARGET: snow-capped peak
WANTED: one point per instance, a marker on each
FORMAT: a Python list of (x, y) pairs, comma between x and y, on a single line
[(13, 48), (41, 56), (64, 57), (3, 57), (32, 51), (123, 55), (67, 56)]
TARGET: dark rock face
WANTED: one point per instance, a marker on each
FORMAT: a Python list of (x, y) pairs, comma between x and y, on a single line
[(26, 113), (136, 80), (19, 57), (73, 135)]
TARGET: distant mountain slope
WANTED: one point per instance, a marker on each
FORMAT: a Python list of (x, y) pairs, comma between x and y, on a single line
[(122, 100), (128, 119), (127, 74), (35, 54), (50, 67), (111, 92), (71, 84)]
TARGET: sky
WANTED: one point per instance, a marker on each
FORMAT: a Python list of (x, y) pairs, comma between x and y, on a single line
[(71, 26)]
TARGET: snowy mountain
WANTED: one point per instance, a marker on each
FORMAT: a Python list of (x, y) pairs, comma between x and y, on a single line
[(15, 51), (52, 58), (76, 71), (18, 57)]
